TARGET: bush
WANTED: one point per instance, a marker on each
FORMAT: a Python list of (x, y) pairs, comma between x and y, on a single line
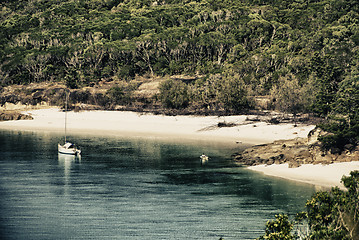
[(343, 133), (335, 215), (290, 96), (233, 94), (116, 94), (280, 228), (174, 94), (330, 214), (121, 94)]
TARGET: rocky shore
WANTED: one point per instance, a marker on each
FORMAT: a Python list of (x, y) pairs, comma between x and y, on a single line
[(13, 115), (295, 152)]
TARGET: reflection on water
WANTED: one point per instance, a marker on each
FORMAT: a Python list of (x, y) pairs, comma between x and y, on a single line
[(134, 188), (65, 161)]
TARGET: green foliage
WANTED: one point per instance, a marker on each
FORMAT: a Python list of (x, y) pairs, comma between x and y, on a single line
[(205, 92), (279, 229), (303, 52), (289, 96), (71, 80), (329, 75), (335, 214), (330, 214), (233, 94), (347, 98), (342, 134), (116, 94), (121, 94), (103, 39), (174, 94), (344, 118)]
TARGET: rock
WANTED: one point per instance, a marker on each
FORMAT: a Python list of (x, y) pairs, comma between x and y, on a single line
[(38, 94), (11, 98), (13, 115), (274, 121), (349, 147), (296, 152)]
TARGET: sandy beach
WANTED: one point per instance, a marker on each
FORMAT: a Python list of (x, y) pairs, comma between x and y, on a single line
[(136, 124), (204, 128), (321, 175)]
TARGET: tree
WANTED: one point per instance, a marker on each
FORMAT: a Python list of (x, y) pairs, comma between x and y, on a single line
[(343, 121), (328, 76), (36, 64), (278, 229), (335, 214), (347, 99), (233, 93), (289, 96), (174, 94), (330, 215), (121, 94)]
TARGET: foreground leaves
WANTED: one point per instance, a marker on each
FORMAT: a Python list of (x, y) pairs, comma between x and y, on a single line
[(330, 215)]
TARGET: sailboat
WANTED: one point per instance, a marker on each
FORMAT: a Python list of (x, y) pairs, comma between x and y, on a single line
[(68, 147)]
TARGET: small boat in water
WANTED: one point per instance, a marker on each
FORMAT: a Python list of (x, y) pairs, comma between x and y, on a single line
[(203, 158), (68, 148)]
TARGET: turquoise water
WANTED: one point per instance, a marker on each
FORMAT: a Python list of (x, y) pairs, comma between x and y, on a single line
[(134, 188)]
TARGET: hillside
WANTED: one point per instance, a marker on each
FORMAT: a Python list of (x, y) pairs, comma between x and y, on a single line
[(300, 56)]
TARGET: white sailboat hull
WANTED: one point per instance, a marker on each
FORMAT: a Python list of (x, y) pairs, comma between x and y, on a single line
[(69, 149)]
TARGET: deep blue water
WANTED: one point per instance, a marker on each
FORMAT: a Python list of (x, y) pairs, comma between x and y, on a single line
[(134, 188)]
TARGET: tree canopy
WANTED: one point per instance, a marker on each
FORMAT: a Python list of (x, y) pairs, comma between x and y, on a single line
[(261, 40), (282, 49)]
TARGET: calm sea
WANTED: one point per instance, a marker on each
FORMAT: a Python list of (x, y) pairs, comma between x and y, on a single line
[(134, 188)]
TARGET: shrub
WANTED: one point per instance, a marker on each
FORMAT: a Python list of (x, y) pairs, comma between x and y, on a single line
[(233, 94), (330, 214), (280, 228), (174, 94)]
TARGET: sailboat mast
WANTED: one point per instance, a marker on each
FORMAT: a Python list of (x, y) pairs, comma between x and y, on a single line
[(66, 96)]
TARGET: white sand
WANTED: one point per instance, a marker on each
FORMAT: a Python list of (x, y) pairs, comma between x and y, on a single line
[(131, 123), (319, 175), (187, 127)]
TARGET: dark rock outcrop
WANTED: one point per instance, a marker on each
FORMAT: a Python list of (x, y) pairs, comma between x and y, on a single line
[(295, 152), (13, 115)]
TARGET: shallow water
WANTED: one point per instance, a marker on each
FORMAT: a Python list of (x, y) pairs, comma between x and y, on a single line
[(135, 188)]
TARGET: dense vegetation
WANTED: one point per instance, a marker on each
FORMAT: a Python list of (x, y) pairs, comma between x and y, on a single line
[(330, 215), (303, 54)]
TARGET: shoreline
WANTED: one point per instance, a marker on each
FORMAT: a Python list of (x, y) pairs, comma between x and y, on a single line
[(199, 128), (206, 128), (326, 176)]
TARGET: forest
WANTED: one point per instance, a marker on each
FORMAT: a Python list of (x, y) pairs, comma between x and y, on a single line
[(302, 55)]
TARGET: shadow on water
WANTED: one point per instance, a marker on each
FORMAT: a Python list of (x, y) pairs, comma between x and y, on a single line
[(244, 184)]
